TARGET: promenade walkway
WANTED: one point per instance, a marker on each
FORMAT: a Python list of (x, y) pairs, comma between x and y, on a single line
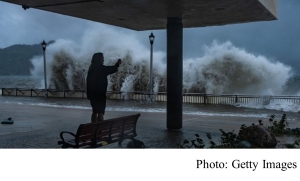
[(39, 126)]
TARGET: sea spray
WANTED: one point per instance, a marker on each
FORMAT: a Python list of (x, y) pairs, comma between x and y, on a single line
[(65, 66), (223, 69), (226, 69)]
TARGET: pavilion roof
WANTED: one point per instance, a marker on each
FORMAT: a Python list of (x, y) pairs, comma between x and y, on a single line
[(153, 14)]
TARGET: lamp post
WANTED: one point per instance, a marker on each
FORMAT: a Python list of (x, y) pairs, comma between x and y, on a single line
[(151, 38), (44, 44), (83, 79)]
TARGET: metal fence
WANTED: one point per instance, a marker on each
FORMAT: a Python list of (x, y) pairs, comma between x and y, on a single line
[(42, 92), (198, 98)]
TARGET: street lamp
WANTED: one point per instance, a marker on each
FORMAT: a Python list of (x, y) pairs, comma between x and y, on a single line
[(44, 44), (151, 38), (83, 79)]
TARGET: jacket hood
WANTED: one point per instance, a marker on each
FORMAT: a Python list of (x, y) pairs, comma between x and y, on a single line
[(97, 58)]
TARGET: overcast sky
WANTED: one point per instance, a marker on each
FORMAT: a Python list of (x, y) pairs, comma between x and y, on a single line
[(279, 40)]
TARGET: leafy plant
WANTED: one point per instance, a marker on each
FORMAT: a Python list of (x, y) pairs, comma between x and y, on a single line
[(278, 127), (293, 145), (282, 127), (232, 140), (227, 140), (196, 143)]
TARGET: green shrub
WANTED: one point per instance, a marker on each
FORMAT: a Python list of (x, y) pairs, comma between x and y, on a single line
[(232, 140)]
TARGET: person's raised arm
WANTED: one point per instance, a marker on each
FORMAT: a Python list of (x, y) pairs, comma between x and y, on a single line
[(118, 63), (113, 69)]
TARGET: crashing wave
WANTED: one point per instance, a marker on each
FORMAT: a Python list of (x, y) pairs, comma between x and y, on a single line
[(223, 69)]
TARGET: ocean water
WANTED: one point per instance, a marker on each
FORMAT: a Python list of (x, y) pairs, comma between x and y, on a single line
[(34, 82)]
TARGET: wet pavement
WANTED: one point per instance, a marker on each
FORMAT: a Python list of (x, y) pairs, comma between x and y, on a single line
[(39, 126)]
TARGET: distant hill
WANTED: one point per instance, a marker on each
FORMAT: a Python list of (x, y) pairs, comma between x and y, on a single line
[(15, 60)]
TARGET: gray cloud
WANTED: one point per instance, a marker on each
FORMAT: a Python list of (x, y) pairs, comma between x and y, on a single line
[(277, 40), (32, 26)]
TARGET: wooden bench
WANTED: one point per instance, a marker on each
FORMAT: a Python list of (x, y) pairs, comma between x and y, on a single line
[(92, 135)]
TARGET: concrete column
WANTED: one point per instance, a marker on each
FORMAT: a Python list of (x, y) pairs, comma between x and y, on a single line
[(174, 73)]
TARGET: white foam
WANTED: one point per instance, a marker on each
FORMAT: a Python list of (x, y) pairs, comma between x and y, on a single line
[(224, 68), (48, 105), (227, 114), (134, 109), (278, 105)]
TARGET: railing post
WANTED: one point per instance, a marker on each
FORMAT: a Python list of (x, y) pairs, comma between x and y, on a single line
[(236, 99), (204, 98)]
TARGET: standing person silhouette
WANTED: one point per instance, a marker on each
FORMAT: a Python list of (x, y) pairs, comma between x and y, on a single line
[(97, 85)]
